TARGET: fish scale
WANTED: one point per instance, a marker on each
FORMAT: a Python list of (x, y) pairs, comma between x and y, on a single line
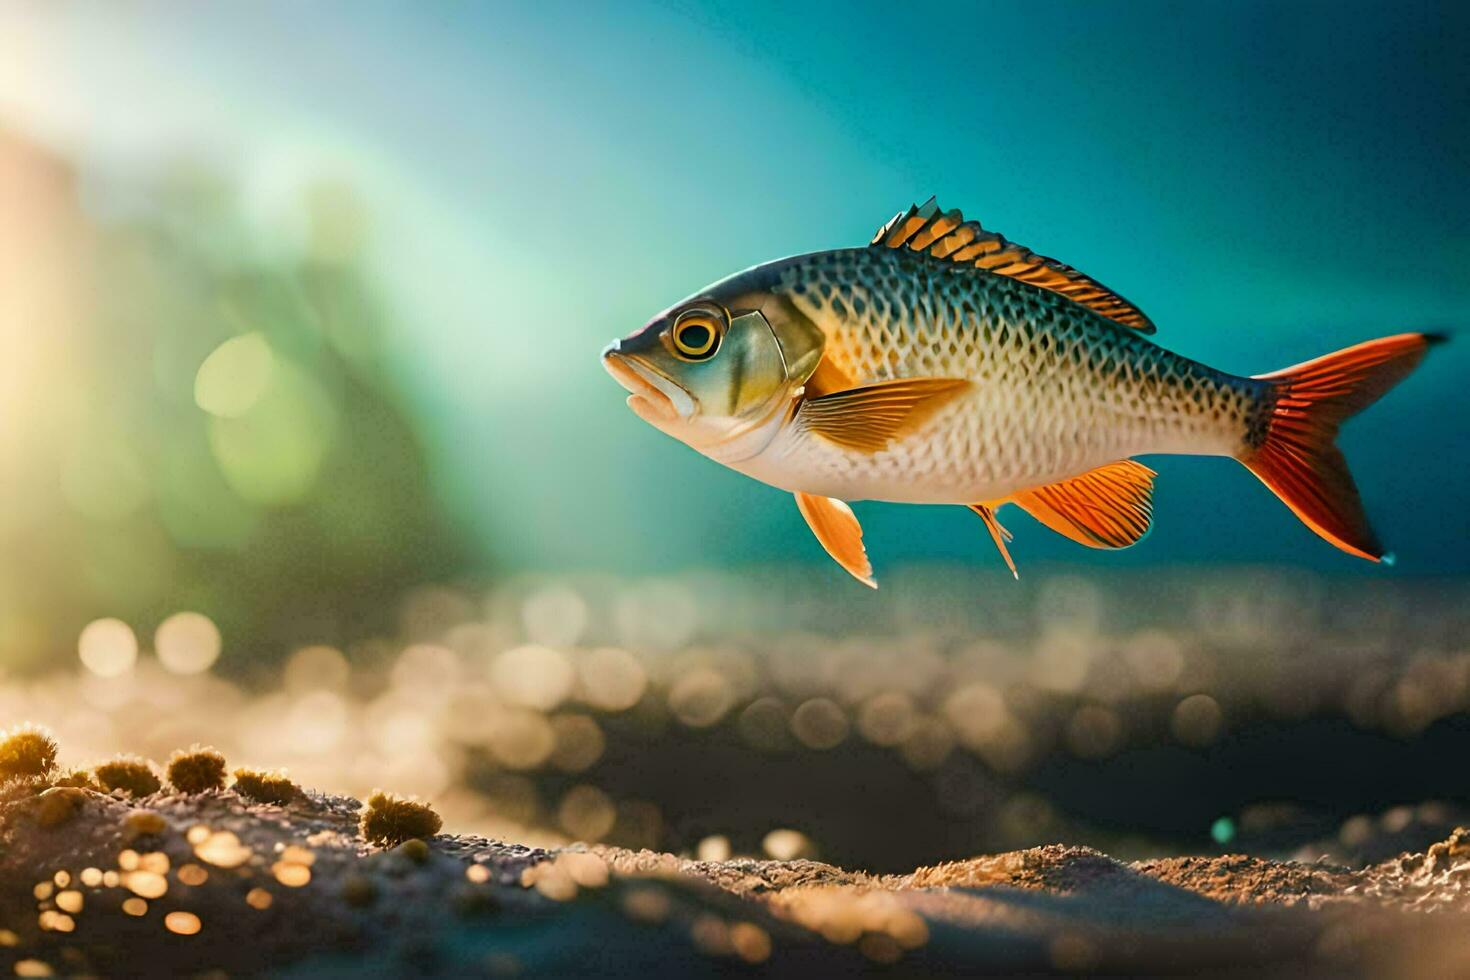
[(1057, 389)]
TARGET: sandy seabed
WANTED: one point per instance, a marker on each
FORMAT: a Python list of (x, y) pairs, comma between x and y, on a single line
[(213, 884)]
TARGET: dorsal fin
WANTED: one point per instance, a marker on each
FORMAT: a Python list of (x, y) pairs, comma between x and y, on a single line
[(1109, 507), (947, 235)]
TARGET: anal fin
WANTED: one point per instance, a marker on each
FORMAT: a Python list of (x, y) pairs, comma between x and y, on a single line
[(998, 534), (1109, 507), (839, 532)]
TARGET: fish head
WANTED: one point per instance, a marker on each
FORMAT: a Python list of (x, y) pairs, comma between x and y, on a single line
[(716, 367)]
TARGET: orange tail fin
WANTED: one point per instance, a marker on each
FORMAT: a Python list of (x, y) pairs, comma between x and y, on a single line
[(1295, 456)]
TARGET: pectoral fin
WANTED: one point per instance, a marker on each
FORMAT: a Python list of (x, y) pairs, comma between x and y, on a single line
[(1109, 507), (833, 523), (869, 418), (998, 534)]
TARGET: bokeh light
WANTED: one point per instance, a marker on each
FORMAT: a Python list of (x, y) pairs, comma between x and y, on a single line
[(108, 647), (234, 376), (187, 643)]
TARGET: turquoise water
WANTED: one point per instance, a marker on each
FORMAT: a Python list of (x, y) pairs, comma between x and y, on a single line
[(1268, 183)]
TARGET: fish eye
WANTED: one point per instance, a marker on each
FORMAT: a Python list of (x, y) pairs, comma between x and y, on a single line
[(696, 335)]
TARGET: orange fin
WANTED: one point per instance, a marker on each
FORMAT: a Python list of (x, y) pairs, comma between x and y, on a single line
[(1109, 507), (998, 534), (1295, 456), (871, 417), (827, 379), (835, 526), (948, 236)]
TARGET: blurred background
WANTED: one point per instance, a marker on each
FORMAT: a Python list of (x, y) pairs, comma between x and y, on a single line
[(306, 452)]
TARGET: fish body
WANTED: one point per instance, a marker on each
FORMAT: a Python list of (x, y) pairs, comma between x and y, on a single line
[(1055, 389), (944, 364)]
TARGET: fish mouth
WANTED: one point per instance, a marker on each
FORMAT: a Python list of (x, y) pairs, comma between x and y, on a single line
[(652, 397)]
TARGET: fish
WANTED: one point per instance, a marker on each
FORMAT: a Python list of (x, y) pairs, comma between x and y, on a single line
[(943, 363)]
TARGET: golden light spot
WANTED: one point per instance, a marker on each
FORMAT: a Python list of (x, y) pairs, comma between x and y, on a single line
[(128, 860), (193, 874), (62, 878), (316, 668), (711, 935), (1156, 659), (57, 922), (477, 873), (765, 724), (586, 813), (646, 904), (296, 854), (135, 906), (522, 739), (587, 870), (819, 724), (842, 928), (713, 848), (146, 884), (43, 890), (977, 713), (154, 861), (291, 875), (928, 744), (555, 616), (1197, 720), (785, 844), (533, 676), (611, 679), (108, 647), (187, 643), (183, 923), (91, 877), (32, 968), (557, 886), (886, 718), (579, 742), (1062, 659), (143, 822), (750, 942), (908, 928), (701, 698), (223, 850), (8, 938), (259, 898), (69, 901), (198, 834), (880, 948), (110, 879)]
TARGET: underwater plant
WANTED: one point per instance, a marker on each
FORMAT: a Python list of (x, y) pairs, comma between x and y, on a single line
[(27, 750), (196, 770), (77, 779), (390, 820), (265, 786), (129, 773)]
